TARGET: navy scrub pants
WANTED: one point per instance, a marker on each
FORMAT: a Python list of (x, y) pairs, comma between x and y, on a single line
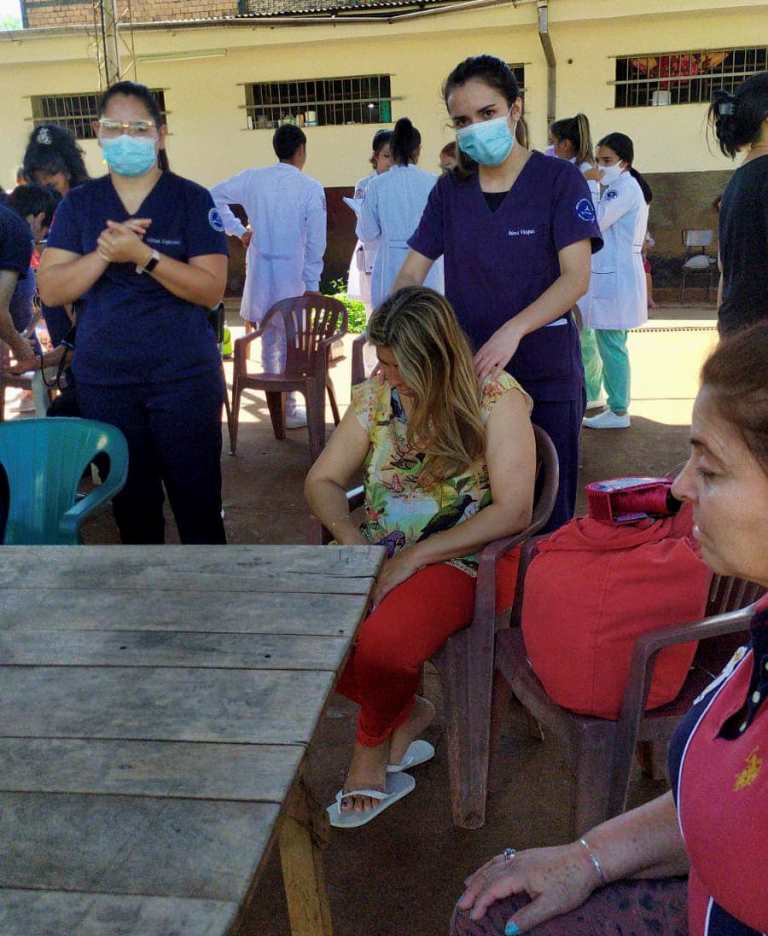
[(561, 420), (173, 431)]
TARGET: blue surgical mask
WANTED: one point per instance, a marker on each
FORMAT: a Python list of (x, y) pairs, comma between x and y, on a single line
[(129, 156), (488, 142)]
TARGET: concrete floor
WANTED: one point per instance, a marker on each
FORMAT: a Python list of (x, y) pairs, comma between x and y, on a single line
[(400, 875)]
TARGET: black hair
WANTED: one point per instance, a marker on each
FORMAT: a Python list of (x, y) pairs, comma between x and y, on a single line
[(52, 150), (497, 75), (576, 131), (148, 99), (737, 119), (287, 140), (624, 148), (381, 139), (33, 199), (404, 143)]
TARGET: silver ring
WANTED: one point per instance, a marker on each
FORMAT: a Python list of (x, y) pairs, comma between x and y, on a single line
[(509, 854)]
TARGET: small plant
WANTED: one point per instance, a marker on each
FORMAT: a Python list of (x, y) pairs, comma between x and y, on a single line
[(355, 309)]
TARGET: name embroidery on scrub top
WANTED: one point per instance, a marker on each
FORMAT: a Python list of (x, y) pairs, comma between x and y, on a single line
[(522, 232)]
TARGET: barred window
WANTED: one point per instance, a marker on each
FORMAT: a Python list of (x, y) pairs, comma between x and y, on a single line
[(363, 99), (75, 111), (519, 72), (683, 77)]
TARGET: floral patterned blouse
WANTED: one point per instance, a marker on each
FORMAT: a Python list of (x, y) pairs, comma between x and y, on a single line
[(403, 504)]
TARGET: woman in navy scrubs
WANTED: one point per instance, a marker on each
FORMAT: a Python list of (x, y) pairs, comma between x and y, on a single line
[(517, 231), (146, 251)]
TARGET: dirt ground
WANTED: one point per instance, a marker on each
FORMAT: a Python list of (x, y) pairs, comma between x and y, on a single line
[(400, 875)]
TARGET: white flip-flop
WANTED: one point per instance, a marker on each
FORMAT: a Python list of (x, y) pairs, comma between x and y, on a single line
[(398, 786), (419, 752)]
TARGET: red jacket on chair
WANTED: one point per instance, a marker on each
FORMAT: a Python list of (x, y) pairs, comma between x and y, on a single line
[(592, 590)]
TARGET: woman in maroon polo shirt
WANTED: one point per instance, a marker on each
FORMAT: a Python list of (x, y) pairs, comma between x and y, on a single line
[(713, 825)]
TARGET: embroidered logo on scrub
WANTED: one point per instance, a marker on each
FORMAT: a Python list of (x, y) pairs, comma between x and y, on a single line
[(215, 220), (751, 772), (585, 209), (611, 195)]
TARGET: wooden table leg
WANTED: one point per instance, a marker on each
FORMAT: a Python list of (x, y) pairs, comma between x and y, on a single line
[(303, 833)]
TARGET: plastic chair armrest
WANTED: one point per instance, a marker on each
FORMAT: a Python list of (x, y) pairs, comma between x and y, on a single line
[(644, 657), (358, 362), (356, 497), (70, 523)]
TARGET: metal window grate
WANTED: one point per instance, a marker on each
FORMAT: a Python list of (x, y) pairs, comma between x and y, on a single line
[(683, 77), (519, 72), (75, 111), (363, 99)]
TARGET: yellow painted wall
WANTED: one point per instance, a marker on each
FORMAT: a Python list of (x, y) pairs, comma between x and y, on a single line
[(204, 95)]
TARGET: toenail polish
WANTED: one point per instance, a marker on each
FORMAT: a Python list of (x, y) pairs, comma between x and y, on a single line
[(511, 929)]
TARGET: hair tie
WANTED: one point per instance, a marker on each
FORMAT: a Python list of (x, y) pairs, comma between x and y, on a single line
[(726, 107), (44, 136)]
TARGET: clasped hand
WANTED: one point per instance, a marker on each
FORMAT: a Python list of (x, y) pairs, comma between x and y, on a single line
[(394, 572), (123, 242)]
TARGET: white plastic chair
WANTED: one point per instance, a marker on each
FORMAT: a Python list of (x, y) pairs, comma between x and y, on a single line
[(697, 260)]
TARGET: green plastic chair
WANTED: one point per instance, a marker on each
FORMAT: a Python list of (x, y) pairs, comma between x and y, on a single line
[(44, 460)]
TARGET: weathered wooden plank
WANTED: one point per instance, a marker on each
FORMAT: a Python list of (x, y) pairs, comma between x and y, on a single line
[(149, 768), (132, 845), (307, 569), (250, 707), (238, 613), (165, 648), (57, 913)]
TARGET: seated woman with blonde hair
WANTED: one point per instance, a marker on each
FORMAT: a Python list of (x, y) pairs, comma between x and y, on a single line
[(449, 465)]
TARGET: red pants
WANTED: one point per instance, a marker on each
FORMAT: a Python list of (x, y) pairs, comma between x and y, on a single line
[(402, 633)]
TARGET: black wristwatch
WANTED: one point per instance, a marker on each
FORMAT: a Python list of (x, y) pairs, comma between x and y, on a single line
[(154, 259)]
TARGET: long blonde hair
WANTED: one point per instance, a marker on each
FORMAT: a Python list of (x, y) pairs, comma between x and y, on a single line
[(420, 328)]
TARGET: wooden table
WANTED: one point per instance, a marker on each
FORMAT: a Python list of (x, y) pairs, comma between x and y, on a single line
[(156, 704)]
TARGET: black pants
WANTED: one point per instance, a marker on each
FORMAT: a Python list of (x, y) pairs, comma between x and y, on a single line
[(562, 421), (173, 431)]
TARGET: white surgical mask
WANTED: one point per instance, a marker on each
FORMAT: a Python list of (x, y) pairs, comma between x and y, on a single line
[(611, 173)]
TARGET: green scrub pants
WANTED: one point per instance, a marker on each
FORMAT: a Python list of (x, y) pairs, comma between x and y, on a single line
[(606, 363)]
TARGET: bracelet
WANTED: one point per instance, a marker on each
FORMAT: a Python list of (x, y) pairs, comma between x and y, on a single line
[(595, 861)]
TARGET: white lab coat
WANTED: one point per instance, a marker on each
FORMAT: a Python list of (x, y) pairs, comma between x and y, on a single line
[(286, 211), (363, 257), (594, 190), (618, 290), (390, 213)]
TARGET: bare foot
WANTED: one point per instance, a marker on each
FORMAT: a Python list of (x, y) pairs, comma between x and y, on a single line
[(421, 716), (368, 771)]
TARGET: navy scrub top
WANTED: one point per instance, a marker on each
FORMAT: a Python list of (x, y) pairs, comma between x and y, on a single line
[(130, 329), (498, 262)]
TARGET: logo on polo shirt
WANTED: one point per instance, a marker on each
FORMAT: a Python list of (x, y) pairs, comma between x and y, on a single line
[(585, 210), (215, 220), (754, 764), (611, 194)]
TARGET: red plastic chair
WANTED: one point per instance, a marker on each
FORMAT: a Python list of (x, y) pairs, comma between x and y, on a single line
[(465, 663), (601, 752), (312, 324)]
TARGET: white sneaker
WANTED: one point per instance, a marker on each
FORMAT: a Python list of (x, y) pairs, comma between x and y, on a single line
[(296, 420), (607, 420)]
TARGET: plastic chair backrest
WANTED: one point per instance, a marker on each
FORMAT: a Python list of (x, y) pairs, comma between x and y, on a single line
[(310, 322), (693, 238), (44, 460)]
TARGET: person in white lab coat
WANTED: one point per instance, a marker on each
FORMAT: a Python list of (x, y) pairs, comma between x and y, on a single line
[(391, 211), (618, 289), (364, 256), (285, 244)]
